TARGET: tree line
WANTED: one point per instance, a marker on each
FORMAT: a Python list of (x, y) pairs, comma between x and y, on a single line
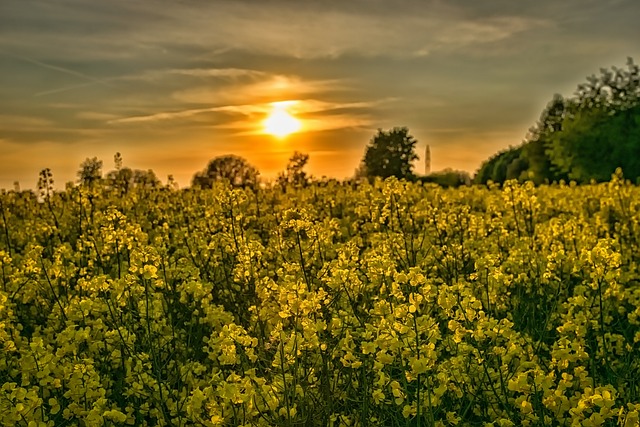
[(582, 138), (389, 153)]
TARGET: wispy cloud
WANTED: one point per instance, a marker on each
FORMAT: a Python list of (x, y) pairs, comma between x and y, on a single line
[(12, 121), (186, 113), (276, 28), (217, 72), (339, 121), (201, 73), (319, 31), (316, 106), (96, 116), (270, 89), (473, 32), (315, 115)]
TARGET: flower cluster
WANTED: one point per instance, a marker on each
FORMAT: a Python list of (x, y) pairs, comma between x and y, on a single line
[(386, 303)]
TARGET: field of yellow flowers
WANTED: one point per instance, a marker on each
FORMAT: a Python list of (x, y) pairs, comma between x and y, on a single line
[(392, 304)]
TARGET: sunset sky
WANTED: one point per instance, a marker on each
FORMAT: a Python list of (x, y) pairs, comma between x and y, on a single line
[(171, 84)]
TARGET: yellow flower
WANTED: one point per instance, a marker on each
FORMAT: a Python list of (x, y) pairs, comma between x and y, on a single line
[(378, 396)]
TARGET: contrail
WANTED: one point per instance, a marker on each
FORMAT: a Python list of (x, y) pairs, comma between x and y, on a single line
[(90, 79), (63, 89), (71, 87)]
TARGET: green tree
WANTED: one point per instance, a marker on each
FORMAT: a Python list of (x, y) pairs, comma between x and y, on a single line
[(390, 153), (529, 161), (583, 137), (506, 164), (234, 169), (599, 131), (594, 143), (535, 151)]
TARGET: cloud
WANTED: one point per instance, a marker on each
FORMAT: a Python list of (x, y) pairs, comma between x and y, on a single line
[(339, 121), (217, 72), (317, 106), (468, 33), (97, 116), (201, 73), (133, 30), (278, 29), (261, 88), (12, 121), (270, 89), (186, 113), (315, 116)]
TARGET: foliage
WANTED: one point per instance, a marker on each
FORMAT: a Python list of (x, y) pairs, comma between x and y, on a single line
[(295, 174), (234, 169), (600, 127), (390, 303), (581, 138), (504, 165), (593, 142), (389, 153), (90, 171), (447, 178), (529, 161), (124, 179)]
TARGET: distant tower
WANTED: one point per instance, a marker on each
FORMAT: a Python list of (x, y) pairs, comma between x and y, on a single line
[(427, 161)]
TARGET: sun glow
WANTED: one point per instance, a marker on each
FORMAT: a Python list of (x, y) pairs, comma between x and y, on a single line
[(280, 122)]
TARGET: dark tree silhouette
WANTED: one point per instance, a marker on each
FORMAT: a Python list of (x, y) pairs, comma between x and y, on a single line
[(234, 169), (90, 171), (295, 174), (123, 179), (389, 153)]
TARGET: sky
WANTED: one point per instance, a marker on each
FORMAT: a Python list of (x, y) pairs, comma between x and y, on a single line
[(172, 84)]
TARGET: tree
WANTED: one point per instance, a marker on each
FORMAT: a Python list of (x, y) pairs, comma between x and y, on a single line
[(447, 178), (234, 169), (594, 143), (390, 153), (145, 179), (124, 179), (535, 150), (90, 171), (600, 127), (529, 161), (295, 174), (504, 165), (583, 137)]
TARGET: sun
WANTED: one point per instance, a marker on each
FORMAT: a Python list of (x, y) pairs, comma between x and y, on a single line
[(280, 122)]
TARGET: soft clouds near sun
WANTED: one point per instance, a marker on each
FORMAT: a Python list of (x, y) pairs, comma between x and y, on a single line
[(251, 102)]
